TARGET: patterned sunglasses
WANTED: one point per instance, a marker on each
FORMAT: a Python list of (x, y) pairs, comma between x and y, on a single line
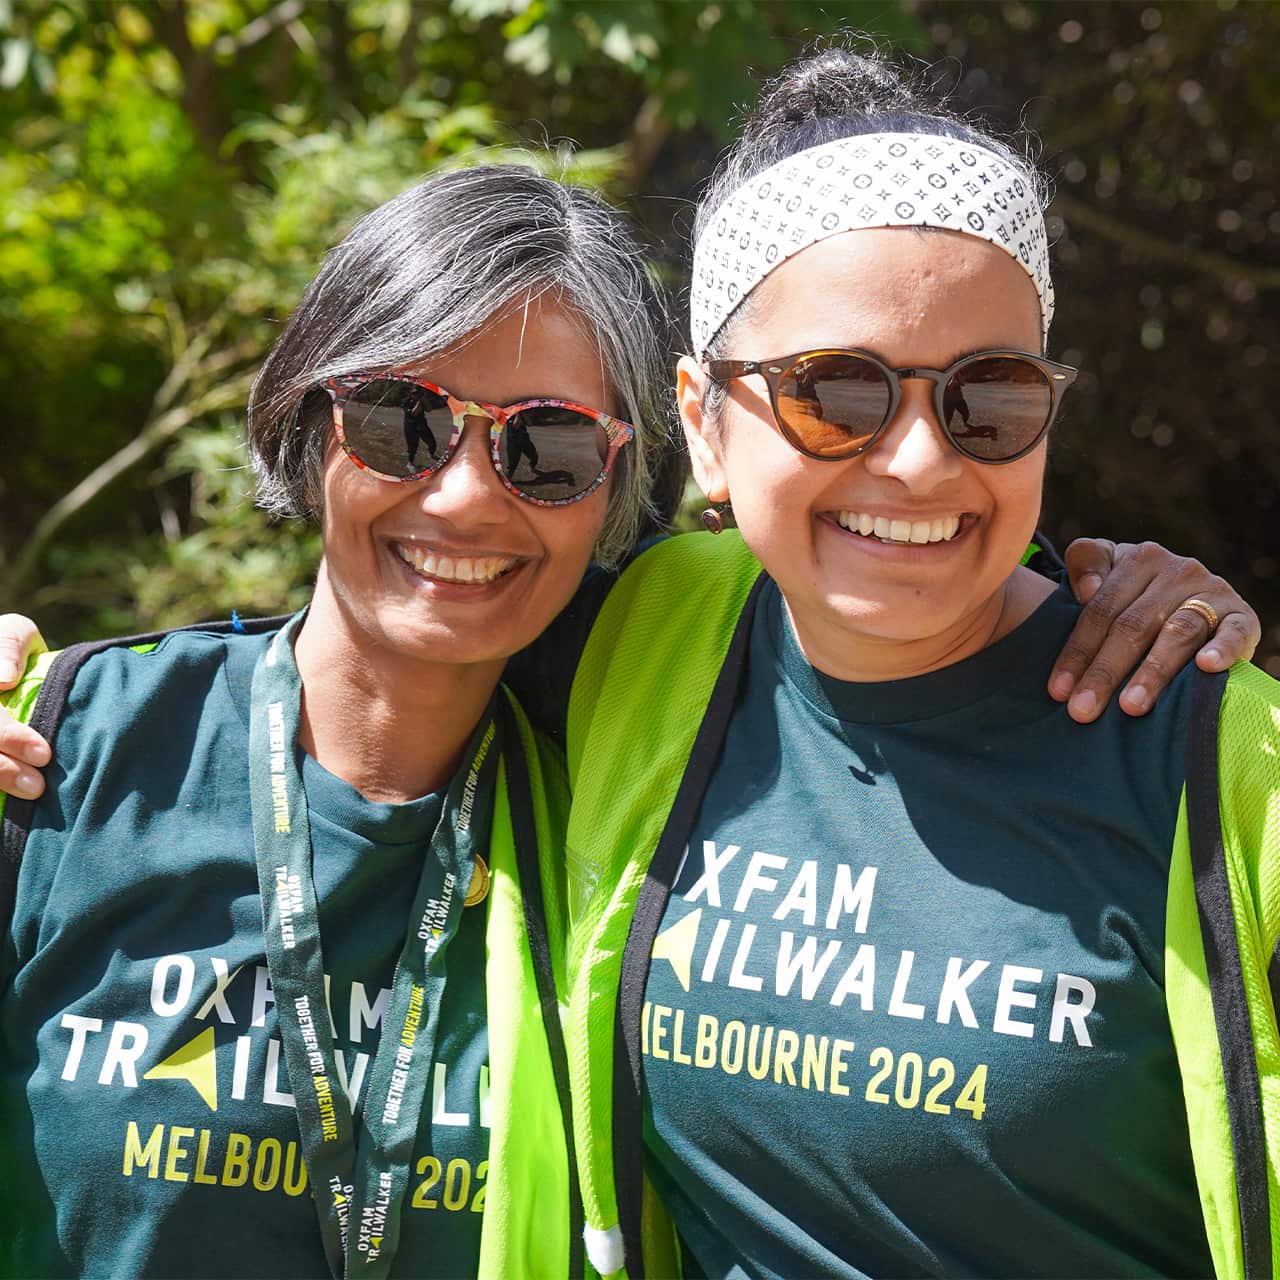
[(548, 452)]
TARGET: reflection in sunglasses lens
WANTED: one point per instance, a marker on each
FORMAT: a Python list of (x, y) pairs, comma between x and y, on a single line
[(550, 451), (396, 428), (996, 407), (832, 404)]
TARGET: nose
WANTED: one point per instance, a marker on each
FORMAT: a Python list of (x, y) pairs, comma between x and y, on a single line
[(467, 488), (913, 449)]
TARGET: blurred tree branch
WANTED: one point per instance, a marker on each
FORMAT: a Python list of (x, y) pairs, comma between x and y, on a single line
[(259, 29), (407, 50), (342, 77), (199, 377), (201, 96), (1150, 245), (649, 131)]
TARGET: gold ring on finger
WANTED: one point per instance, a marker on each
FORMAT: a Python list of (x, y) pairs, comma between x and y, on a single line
[(1204, 609)]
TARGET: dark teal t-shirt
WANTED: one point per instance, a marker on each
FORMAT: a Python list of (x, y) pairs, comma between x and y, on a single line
[(149, 1126), (906, 1014)]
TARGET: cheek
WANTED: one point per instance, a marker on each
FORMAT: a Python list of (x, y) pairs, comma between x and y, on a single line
[(771, 485), (569, 533), (353, 499), (1015, 493), (1024, 485)]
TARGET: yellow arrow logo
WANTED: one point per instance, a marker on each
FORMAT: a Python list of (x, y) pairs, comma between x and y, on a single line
[(193, 1062), (376, 1241), (675, 945)]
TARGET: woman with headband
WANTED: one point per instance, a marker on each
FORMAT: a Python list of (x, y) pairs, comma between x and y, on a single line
[(887, 967), (148, 984)]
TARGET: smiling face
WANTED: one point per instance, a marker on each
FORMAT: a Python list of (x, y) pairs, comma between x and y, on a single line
[(454, 568), (862, 604)]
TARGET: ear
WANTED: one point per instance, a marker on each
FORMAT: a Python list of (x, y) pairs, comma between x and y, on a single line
[(705, 442)]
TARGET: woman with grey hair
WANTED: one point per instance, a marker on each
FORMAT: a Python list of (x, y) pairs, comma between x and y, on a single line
[(281, 962), (443, 402)]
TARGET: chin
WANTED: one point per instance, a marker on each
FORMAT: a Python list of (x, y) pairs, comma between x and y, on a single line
[(892, 616), (437, 642)]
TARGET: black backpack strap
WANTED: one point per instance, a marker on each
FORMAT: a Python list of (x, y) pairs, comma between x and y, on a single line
[(1226, 978), (46, 718)]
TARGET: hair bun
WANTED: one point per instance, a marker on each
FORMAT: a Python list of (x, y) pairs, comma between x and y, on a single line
[(832, 84)]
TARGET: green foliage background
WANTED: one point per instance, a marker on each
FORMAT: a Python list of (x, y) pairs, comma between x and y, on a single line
[(172, 171)]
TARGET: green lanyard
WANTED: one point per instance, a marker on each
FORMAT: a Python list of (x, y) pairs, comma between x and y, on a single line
[(359, 1180)]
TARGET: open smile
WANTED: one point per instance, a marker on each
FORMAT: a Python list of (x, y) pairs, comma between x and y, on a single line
[(439, 566), (901, 532)]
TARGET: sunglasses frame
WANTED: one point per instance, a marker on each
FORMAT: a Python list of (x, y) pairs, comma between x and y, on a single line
[(1058, 376), (617, 432)]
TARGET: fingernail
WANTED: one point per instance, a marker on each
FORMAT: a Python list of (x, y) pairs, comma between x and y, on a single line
[(1136, 699), (8, 672), (1061, 685), (37, 753), (1213, 656), (1089, 583), (25, 784), (1084, 706)]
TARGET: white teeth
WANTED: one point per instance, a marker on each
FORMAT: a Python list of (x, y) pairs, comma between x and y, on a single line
[(919, 532), (454, 568)]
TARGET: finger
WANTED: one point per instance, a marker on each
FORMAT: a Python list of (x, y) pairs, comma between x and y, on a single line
[(19, 637), (1183, 633), (1088, 562), (1131, 632), (1141, 625), (20, 780), (1122, 587), (21, 743), (1235, 640)]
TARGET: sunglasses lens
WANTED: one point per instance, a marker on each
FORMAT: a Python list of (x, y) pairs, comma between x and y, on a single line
[(396, 428), (996, 407), (551, 452), (832, 405)]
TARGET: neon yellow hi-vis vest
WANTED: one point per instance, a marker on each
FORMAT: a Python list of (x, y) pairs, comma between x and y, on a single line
[(639, 699), (530, 1224)]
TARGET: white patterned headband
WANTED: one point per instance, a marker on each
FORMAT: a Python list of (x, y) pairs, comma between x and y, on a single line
[(868, 180)]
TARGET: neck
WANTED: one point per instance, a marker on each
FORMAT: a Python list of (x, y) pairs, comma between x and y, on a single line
[(392, 726), (838, 649)]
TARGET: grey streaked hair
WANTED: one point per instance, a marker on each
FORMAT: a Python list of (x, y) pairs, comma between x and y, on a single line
[(422, 274), (835, 92)]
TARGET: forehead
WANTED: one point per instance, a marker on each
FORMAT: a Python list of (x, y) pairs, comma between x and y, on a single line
[(912, 296), (536, 347)]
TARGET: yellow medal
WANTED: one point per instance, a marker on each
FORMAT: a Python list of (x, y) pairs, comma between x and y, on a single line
[(478, 889)]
